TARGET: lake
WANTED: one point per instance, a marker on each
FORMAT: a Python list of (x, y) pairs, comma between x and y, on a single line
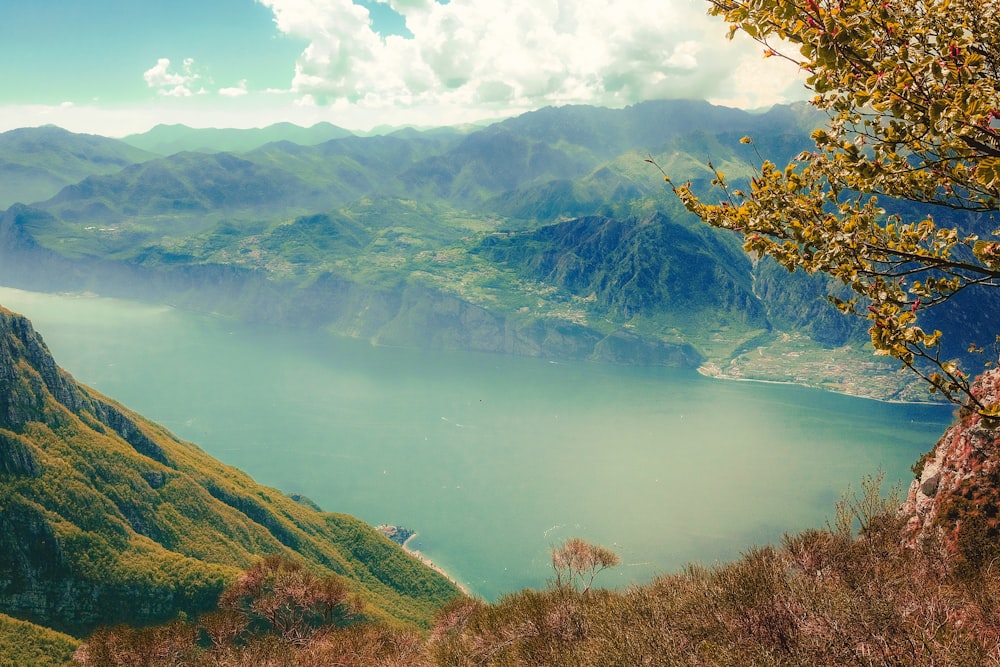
[(492, 459)]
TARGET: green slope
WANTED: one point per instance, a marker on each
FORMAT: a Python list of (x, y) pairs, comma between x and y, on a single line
[(106, 517), (23, 644)]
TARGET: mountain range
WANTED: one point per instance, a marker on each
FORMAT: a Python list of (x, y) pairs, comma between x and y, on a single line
[(36, 163), (170, 139), (546, 234)]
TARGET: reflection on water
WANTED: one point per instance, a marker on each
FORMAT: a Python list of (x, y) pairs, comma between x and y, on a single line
[(493, 459)]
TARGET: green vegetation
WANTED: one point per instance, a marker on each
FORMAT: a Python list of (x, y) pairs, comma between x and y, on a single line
[(912, 89), (106, 517), (23, 644)]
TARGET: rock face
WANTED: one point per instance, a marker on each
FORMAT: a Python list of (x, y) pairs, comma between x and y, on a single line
[(956, 496)]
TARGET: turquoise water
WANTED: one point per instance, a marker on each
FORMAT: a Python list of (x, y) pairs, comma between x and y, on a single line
[(493, 459)]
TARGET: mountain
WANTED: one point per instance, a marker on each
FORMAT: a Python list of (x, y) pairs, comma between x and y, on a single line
[(37, 162), (107, 517), (486, 239), (636, 268), (170, 139), (182, 190), (171, 197)]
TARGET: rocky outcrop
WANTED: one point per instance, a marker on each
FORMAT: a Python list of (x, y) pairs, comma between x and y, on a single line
[(129, 431), (956, 496), (16, 457), (22, 395)]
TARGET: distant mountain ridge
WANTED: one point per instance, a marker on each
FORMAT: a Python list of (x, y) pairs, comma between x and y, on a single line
[(170, 139), (107, 517)]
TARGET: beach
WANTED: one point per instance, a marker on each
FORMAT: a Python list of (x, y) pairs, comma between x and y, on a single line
[(429, 563)]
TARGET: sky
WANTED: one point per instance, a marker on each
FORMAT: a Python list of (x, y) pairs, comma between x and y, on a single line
[(118, 67)]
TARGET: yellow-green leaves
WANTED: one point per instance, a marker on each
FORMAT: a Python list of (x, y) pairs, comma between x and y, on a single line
[(912, 88), (988, 173)]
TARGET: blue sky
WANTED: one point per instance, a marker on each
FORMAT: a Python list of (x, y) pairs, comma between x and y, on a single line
[(120, 66)]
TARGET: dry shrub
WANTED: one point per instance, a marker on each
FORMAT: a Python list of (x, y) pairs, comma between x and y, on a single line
[(122, 646), (577, 562), (525, 628), (823, 597), (365, 646), (280, 596)]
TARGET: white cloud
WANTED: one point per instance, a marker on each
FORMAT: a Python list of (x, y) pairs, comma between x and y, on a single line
[(239, 90), (499, 57), (468, 60), (172, 83), (763, 83), (159, 75)]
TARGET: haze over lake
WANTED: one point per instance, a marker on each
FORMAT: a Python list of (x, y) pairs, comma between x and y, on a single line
[(493, 459)]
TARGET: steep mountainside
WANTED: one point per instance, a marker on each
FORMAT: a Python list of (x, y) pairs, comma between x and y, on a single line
[(37, 162), (797, 302), (633, 268), (106, 517)]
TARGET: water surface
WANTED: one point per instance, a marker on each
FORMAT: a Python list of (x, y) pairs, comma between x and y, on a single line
[(493, 459)]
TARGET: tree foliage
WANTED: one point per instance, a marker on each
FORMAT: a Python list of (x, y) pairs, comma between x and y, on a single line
[(911, 91)]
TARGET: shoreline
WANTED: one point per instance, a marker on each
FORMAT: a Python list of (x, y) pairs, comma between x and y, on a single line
[(431, 564), (718, 374)]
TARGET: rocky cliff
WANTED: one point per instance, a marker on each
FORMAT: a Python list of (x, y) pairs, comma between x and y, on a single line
[(956, 496)]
